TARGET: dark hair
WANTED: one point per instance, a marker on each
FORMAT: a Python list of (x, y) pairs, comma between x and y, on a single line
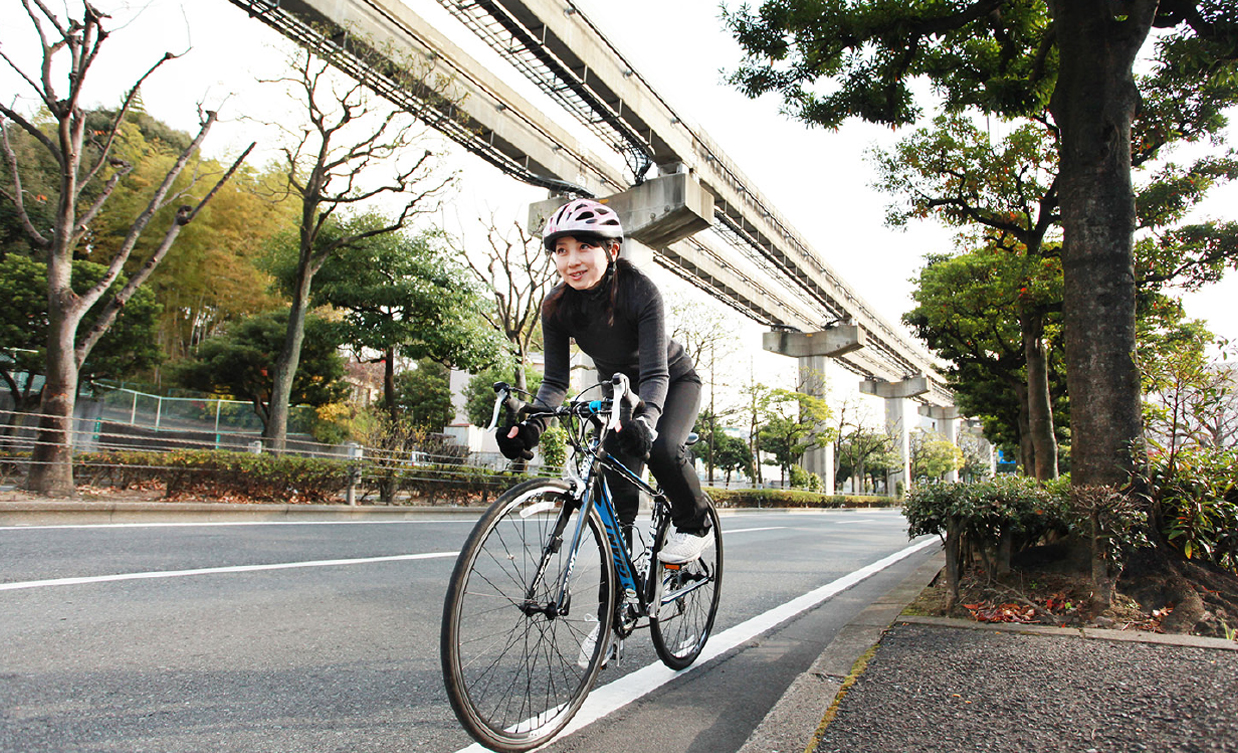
[(568, 304)]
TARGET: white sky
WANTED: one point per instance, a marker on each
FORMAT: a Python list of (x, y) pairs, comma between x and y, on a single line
[(818, 179)]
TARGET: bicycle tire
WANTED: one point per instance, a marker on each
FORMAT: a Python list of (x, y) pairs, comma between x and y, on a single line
[(512, 673), (683, 623)]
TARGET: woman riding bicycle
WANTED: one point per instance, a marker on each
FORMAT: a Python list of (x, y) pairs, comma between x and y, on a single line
[(615, 314)]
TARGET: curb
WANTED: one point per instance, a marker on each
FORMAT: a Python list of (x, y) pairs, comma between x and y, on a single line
[(791, 725), (1087, 633)]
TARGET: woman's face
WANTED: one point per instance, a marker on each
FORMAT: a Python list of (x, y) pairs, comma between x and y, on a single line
[(581, 264)]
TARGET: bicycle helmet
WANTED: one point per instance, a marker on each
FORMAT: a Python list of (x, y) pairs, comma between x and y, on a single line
[(582, 217)]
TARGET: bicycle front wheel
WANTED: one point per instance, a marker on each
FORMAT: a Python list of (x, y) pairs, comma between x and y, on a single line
[(517, 662), (687, 598)]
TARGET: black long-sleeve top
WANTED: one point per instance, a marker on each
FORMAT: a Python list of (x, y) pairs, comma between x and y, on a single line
[(635, 344)]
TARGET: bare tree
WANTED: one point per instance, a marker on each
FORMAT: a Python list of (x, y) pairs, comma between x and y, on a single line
[(518, 272), (85, 159), (709, 336), (351, 135)]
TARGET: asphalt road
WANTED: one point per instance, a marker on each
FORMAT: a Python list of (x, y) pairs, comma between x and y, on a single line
[(324, 636)]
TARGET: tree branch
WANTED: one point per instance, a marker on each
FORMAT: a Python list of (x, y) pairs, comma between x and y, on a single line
[(184, 216)]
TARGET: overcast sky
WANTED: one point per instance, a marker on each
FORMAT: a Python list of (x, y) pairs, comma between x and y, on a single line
[(818, 179)]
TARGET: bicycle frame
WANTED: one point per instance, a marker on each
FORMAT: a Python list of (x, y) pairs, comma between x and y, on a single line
[(591, 479), (639, 594)]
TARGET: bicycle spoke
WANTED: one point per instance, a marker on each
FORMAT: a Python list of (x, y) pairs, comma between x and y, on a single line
[(510, 657)]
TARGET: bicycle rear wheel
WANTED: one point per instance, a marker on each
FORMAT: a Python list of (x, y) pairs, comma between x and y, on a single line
[(513, 661), (689, 598)]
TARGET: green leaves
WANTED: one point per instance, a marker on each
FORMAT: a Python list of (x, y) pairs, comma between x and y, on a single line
[(241, 362), (405, 292), (831, 60), (1195, 498)]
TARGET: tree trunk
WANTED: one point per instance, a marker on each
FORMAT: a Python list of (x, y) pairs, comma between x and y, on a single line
[(287, 364), (51, 466), (1039, 402), (1027, 449), (954, 558), (1093, 104), (389, 386)]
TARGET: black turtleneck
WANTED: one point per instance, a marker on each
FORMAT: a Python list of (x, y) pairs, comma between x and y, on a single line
[(636, 344)]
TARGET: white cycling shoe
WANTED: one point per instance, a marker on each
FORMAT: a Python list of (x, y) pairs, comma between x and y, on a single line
[(590, 644), (684, 547)]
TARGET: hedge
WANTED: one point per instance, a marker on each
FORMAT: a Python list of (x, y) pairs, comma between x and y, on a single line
[(794, 498), (219, 474), (267, 477)]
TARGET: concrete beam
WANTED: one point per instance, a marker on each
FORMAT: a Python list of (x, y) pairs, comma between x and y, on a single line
[(909, 387), (832, 342), (656, 213), (940, 412)]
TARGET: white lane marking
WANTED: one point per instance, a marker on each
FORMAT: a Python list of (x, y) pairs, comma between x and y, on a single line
[(217, 570), (750, 530), (247, 568), (614, 696), (463, 519)]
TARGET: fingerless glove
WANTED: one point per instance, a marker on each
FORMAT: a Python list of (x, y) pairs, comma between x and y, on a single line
[(519, 447)]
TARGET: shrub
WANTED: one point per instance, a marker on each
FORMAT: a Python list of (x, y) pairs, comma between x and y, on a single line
[(802, 479), (1194, 503), (733, 498), (220, 474), (989, 520)]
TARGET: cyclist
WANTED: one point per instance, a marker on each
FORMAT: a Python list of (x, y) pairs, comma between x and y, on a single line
[(615, 314)]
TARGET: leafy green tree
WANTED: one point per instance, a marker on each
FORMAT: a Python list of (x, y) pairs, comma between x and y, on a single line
[(332, 165), (793, 424), (1072, 61), (400, 295), (129, 345), (1008, 190), (977, 458), (240, 363), (965, 312), (216, 277), (423, 395), (1188, 396), (553, 448), (756, 397), (933, 456), (865, 454), (88, 171), (731, 454)]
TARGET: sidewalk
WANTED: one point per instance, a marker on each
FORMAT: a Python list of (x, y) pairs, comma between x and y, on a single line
[(942, 685)]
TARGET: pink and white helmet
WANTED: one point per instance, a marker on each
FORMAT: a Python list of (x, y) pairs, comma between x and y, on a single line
[(582, 217)]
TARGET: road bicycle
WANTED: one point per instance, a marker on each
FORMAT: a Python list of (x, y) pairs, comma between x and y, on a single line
[(548, 581)]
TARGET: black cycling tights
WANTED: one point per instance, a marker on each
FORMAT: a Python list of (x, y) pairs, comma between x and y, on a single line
[(670, 462)]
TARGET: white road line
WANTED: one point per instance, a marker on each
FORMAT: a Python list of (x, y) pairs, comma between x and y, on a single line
[(750, 530), (218, 570), (625, 690), (468, 520), (247, 568)]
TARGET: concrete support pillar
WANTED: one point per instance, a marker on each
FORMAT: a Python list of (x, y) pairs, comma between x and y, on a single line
[(813, 351), (896, 395), (814, 380), (896, 424), (947, 419)]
